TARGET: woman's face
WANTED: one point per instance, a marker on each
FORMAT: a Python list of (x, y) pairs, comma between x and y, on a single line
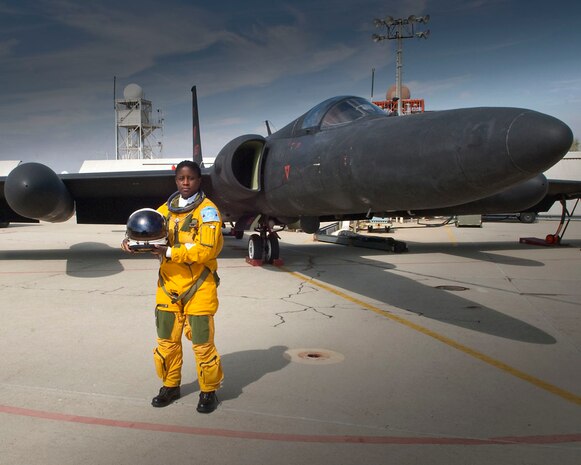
[(187, 182)]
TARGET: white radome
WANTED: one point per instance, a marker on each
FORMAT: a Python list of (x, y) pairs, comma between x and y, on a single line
[(133, 92)]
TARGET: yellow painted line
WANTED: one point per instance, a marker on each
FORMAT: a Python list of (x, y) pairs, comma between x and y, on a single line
[(452, 236), (568, 396)]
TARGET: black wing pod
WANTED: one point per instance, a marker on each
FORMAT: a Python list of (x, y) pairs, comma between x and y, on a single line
[(35, 191)]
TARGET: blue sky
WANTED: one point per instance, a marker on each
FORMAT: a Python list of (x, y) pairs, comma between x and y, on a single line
[(257, 60)]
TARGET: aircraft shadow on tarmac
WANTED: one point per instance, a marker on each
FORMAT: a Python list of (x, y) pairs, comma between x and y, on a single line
[(94, 259), (84, 260), (334, 265), (244, 368)]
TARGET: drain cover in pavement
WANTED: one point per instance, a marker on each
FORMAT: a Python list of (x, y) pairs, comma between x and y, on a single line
[(314, 356), (452, 288)]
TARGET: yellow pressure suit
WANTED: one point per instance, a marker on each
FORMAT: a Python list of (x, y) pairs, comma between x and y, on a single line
[(186, 292)]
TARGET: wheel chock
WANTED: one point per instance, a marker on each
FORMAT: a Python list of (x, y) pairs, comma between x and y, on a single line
[(550, 240), (254, 262)]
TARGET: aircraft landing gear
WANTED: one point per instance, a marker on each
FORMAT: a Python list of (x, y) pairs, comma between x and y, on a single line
[(264, 247)]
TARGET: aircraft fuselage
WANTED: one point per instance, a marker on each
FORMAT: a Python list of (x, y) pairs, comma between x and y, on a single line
[(424, 161)]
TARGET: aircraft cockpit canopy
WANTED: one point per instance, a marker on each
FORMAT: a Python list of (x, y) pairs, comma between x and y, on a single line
[(339, 111)]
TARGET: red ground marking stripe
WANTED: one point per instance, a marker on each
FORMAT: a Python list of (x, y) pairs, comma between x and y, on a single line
[(225, 433)]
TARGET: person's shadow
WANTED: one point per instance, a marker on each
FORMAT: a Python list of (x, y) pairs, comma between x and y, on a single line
[(244, 368)]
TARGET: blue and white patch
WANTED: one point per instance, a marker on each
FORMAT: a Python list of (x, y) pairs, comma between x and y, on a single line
[(210, 214)]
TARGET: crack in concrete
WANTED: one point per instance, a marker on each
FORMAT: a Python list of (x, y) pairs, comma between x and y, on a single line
[(288, 299), (80, 291)]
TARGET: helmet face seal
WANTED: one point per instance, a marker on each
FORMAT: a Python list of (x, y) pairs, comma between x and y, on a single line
[(145, 229)]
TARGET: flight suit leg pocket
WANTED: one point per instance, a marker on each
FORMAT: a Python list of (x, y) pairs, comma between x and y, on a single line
[(200, 328), (164, 323), (211, 374), (160, 364)]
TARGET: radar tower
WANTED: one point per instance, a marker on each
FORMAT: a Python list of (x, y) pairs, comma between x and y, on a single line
[(135, 126)]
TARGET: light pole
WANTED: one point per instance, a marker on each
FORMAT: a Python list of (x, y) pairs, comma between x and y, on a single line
[(401, 28)]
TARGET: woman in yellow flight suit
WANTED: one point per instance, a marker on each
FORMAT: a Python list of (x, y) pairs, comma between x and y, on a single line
[(187, 289)]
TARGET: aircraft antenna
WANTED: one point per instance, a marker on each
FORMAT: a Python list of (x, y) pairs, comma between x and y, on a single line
[(116, 119)]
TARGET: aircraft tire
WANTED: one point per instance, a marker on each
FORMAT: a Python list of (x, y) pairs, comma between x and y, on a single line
[(255, 247), (271, 249), (527, 217)]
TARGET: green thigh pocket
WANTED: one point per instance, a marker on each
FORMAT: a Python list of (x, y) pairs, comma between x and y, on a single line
[(164, 322), (200, 328)]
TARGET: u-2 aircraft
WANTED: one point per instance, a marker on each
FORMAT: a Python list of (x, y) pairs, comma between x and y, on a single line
[(344, 159)]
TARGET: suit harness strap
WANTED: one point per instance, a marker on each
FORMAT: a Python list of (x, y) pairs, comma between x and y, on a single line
[(185, 296), (173, 207)]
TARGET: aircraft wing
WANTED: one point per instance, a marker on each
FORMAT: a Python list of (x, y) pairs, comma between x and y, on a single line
[(7, 215), (97, 198), (561, 188), (558, 190), (109, 198)]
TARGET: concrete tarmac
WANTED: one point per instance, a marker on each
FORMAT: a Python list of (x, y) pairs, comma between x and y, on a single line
[(465, 350)]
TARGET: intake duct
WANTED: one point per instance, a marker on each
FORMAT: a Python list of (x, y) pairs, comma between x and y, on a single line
[(237, 168)]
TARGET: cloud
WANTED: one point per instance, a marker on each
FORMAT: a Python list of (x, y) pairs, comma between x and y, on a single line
[(447, 6), (227, 122), (6, 47), (435, 86), (566, 85), (175, 44), (176, 29)]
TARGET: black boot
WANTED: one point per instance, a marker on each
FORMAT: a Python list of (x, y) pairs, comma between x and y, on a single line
[(166, 396), (208, 402)]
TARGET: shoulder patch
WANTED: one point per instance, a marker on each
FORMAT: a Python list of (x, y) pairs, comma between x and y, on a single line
[(210, 214)]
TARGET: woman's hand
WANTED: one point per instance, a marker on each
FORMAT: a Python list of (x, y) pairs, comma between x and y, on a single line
[(125, 246), (159, 250)]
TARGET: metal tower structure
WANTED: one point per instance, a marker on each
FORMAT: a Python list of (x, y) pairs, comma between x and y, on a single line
[(399, 29), (135, 136)]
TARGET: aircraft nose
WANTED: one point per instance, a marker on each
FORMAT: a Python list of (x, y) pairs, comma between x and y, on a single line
[(536, 141)]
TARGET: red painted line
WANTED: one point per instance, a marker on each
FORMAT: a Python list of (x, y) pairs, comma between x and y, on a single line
[(281, 437), (554, 439)]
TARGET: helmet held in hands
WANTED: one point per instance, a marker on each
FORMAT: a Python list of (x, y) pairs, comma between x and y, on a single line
[(145, 229)]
